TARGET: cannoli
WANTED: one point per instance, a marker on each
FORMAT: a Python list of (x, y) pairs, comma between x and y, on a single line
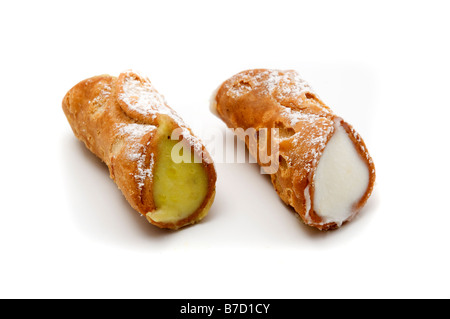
[(323, 170), (161, 167)]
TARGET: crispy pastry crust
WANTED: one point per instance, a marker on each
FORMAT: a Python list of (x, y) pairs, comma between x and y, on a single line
[(264, 98), (120, 126)]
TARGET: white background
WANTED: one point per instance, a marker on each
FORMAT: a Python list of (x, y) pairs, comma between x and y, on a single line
[(67, 232)]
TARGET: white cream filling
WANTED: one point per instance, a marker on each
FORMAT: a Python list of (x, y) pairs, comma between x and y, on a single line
[(213, 103), (340, 180)]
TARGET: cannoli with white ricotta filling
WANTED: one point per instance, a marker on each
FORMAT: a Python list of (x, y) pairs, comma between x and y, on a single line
[(324, 169)]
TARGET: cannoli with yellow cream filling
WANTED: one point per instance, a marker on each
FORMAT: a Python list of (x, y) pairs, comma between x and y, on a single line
[(129, 126)]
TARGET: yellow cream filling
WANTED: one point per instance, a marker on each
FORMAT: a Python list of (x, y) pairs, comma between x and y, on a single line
[(178, 188)]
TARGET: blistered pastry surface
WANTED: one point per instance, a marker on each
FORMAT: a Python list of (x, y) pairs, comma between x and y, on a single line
[(282, 99), (118, 119)]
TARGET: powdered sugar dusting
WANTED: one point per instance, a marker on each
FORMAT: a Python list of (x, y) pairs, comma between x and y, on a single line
[(299, 111), (320, 143), (193, 141), (144, 172), (239, 90), (103, 95), (357, 137), (280, 84), (313, 140), (135, 130), (136, 152), (142, 97), (295, 117), (283, 84)]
